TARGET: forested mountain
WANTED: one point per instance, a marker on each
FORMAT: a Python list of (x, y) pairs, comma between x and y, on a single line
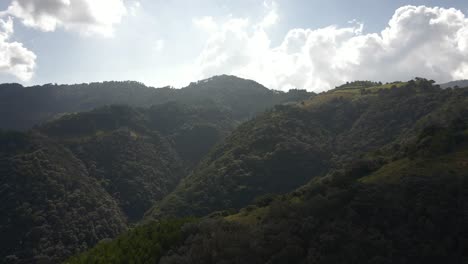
[(402, 208), (396, 194), (286, 147), (23, 107), (84, 177), (365, 173), (129, 156)]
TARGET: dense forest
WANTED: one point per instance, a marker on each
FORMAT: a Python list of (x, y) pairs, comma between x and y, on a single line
[(398, 197), (82, 177), (291, 144), (51, 207), (227, 171)]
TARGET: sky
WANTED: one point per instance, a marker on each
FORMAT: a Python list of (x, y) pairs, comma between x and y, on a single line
[(282, 44)]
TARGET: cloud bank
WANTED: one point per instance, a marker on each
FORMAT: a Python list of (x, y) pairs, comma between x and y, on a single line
[(14, 58), (88, 17), (420, 41)]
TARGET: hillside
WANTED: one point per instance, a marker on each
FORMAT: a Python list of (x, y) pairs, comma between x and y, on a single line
[(416, 217), (50, 208), (398, 206), (23, 107), (132, 157), (290, 145), (85, 177), (139, 155)]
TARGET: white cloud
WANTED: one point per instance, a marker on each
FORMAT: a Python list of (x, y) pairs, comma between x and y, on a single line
[(14, 58), (206, 23), (133, 7), (88, 17), (271, 17), (418, 41), (159, 45)]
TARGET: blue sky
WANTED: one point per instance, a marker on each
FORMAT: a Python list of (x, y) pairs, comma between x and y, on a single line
[(174, 42)]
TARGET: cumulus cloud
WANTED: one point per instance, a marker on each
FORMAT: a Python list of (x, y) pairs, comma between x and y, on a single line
[(206, 23), (133, 7), (421, 41), (88, 17), (14, 58)]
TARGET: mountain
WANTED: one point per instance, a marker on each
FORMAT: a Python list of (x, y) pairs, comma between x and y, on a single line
[(407, 208), (85, 177), (401, 198), (23, 107), (121, 157), (453, 84), (368, 172), (290, 145)]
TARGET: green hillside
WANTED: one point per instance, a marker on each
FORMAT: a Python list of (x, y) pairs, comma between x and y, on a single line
[(290, 145), (363, 212), (365, 173), (139, 155), (87, 176), (343, 218), (50, 207), (143, 244)]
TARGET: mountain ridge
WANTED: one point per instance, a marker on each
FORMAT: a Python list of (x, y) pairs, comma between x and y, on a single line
[(400, 198), (131, 155), (240, 174), (23, 107), (287, 146)]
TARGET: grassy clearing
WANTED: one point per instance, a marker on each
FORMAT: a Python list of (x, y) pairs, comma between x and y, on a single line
[(455, 162), (249, 216)]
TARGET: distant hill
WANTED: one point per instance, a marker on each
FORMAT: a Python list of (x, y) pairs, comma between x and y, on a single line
[(460, 84), (23, 107)]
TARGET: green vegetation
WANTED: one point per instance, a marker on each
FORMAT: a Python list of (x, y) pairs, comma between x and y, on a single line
[(139, 155), (286, 147), (82, 177), (24, 107), (340, 218), (365, 173), (143, 244), (354, 214), (358, 85), (50, 208)]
